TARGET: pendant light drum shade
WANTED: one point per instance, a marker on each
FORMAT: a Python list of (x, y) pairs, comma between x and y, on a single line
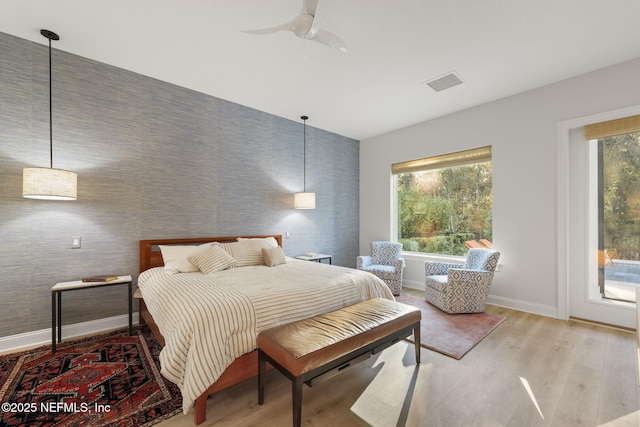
[(304, 200), (49, 184)]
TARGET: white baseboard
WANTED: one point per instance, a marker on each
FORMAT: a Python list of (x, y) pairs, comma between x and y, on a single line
[(43, 336), (413, 284), (527, 307)]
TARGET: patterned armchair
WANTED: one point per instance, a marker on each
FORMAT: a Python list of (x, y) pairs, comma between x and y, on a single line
[(385, 262), (461, 288)]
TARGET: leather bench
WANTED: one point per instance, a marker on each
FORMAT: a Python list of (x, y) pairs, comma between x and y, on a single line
[(312, 350)]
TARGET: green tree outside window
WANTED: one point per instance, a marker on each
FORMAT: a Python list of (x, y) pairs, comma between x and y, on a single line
[(439, 210)]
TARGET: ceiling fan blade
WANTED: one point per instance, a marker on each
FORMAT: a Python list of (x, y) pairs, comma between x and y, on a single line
[(309, 7), (304, 26), (330, 39), (288, 26)]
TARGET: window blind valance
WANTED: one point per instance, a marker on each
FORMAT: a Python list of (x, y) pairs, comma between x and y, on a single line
[(612, 128), (459, 158)]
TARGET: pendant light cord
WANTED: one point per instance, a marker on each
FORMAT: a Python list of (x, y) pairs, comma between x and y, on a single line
[(304, 179), (51, 36), (304, 157), (50, 112)]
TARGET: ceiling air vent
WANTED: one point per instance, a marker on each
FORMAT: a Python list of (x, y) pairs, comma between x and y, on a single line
[(444, 82)]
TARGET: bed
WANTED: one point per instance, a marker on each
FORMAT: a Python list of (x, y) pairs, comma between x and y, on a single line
[(208, 323)]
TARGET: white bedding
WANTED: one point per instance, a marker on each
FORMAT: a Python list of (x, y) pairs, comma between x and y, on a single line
[(208, 321)]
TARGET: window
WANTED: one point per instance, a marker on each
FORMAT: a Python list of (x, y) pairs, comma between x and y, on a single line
[(615, 191), (444, 201)]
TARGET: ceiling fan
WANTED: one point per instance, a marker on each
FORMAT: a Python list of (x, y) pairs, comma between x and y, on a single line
[(304, 26)]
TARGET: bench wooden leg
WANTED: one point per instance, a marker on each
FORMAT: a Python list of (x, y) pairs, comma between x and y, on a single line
[(262, 369), (416, 340), (296, 391)]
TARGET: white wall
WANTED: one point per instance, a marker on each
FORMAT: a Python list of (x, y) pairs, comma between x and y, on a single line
[(523, 130)]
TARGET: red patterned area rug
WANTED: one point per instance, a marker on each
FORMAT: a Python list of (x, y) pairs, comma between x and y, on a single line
[(451, 334), (111, 379)]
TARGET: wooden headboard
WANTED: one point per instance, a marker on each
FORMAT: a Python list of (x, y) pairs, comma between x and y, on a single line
[(150, 255)]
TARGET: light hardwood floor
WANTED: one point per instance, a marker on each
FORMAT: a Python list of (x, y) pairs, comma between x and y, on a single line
[(530, 371)]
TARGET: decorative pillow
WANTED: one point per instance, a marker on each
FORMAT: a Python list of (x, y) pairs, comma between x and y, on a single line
[(273, 256), (246, 252), (175, 257), (212, 260), (271, 241)]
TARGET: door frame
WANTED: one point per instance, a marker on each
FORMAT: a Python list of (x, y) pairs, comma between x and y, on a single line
[(599, 311)]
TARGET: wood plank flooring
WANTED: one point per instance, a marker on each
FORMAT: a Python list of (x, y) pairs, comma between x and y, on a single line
[(530, 371)]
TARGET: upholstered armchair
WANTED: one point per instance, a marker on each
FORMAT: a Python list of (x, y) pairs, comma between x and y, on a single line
[(461, 288), (385, 262)]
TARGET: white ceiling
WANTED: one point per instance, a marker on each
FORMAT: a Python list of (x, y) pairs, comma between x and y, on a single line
[(498, 47)]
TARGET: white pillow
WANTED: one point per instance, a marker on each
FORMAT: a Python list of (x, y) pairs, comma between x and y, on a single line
[(176, 257), (273, 256), (246, 252), (270, 241), (212, 260)]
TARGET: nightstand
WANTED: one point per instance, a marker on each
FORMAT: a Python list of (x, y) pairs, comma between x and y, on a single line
[(56, 302), (315, 257)]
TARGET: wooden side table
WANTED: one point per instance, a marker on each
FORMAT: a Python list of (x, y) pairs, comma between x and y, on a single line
[(56, 302), (315, 257)]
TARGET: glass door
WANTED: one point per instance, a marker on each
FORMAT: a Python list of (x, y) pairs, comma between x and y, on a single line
[(618, 216)]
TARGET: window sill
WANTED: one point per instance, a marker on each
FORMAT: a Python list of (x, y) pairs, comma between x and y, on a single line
[(418, 256)]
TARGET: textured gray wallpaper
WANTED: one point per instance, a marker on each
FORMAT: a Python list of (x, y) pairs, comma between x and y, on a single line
[(154, 160)]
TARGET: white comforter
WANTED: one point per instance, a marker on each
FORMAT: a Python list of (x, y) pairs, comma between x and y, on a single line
[(208, 321)]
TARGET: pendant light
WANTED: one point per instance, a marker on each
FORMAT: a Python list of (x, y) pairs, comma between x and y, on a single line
[(305, 200), (49, 183)]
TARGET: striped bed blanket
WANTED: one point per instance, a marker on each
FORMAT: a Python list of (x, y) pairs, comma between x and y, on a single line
[(209, 320)]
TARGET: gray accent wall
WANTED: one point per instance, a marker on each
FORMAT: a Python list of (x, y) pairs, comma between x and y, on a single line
[(154, 160)]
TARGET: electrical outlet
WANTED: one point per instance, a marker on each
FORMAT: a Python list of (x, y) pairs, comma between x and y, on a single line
[(76, 242)]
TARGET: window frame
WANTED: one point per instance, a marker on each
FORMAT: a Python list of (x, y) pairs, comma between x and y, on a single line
[(453, 159)]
